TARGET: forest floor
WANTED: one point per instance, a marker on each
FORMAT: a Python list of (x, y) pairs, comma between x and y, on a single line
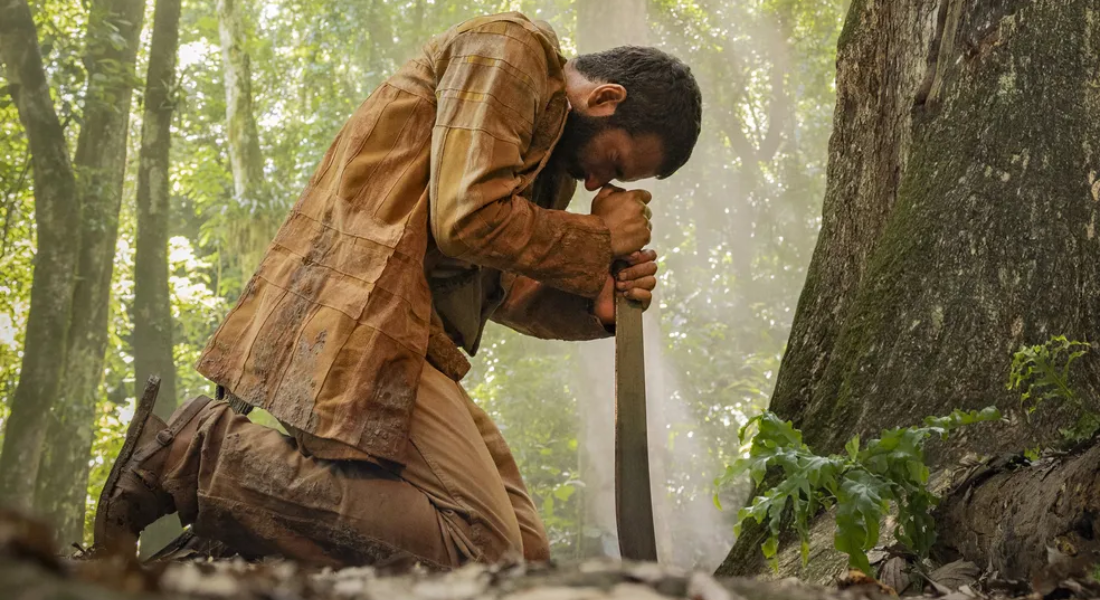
[(31, 568)]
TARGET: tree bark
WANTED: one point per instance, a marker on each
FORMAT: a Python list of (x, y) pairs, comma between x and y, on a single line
[(57, 218), (101, 162), (959, 222), (152, 302)]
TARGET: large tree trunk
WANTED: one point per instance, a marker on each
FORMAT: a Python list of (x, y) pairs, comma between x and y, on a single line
[(57, 218), (152, 301), (101, 161), (959, 222)]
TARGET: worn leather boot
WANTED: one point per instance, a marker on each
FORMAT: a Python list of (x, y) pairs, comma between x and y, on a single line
[(134, 496)]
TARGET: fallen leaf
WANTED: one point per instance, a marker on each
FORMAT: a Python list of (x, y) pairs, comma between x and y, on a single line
[(861, 583), (956, 574), (895, 573)]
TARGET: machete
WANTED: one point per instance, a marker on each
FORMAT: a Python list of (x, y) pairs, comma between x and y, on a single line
[(633, 503)]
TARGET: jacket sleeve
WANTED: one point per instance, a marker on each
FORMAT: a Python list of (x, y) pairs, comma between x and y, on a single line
[(490, 88), (542, 311)]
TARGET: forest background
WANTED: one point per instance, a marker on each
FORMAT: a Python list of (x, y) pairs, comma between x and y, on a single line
[(260, 90)]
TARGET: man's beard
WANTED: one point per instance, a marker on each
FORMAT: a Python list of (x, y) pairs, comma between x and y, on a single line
[(578, 133)]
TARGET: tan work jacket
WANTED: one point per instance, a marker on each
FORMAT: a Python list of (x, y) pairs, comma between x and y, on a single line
[(426, 217)]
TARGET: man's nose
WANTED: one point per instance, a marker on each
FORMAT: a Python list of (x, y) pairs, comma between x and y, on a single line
[(592, 183)]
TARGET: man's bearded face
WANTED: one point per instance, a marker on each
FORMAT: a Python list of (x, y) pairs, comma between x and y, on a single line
[(596, 151), (576, 142)]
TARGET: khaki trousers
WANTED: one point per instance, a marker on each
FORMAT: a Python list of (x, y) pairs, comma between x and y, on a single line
[(459, 498)]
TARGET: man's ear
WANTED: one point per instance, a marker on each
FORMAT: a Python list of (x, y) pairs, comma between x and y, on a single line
[(604, 99)]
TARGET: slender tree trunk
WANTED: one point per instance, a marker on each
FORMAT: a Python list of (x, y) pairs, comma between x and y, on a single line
[(101, 161), (959, 222), (57, 218), (244, 142), (252, 232), (152, 301)]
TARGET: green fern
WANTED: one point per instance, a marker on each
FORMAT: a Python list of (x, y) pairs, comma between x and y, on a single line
[(861, 484), (1041, 373), (1036, 373)]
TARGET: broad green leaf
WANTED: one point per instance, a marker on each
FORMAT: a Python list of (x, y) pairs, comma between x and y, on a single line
[(853, 447), (770, 548), (860, 484)]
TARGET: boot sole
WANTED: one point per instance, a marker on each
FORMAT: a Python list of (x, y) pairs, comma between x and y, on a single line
[(133, 434)]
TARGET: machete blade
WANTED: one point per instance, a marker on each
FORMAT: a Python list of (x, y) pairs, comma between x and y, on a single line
[(633, 502)]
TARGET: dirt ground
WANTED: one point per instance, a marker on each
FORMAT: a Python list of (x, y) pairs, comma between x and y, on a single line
[(31, 568)]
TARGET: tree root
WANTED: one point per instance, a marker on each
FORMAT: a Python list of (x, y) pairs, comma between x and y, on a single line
[(1015, 516)]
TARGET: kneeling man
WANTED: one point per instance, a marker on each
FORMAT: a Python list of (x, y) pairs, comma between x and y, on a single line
[(439, 206)]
